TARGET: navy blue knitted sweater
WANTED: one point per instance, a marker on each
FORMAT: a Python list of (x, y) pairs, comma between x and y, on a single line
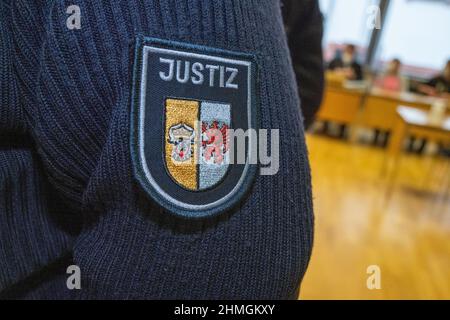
[(67, 190)]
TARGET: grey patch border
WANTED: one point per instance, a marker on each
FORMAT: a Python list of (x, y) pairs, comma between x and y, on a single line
[(141, 109)]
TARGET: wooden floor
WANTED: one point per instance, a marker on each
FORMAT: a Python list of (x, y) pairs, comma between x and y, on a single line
[(406, 233)]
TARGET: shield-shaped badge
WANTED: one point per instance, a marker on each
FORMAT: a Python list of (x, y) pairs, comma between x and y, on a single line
[(186, 100)]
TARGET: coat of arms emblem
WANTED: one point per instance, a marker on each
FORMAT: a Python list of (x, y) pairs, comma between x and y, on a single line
[(197, 144), (186, 100)]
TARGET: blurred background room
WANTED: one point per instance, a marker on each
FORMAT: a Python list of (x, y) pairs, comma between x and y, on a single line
[(380, 153)]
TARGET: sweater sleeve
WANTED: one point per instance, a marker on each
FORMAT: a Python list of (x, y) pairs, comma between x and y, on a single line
[(130, 247)]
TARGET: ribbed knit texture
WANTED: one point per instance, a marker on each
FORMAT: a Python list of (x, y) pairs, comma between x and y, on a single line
[(31, 236), (32, 232), (77, 88), (11, 115)]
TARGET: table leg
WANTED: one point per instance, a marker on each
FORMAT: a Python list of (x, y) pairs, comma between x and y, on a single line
[(391, 162)]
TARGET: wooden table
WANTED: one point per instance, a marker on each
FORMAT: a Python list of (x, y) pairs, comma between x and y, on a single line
[(375, 108), (340, 105), (412, 121), (415, 122), (380, 107)]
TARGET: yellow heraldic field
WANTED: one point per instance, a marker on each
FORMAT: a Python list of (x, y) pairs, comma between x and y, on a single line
[(180, 141)]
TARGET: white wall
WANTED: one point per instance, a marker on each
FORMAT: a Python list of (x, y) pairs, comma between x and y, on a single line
[(417, 32), (346, 21)]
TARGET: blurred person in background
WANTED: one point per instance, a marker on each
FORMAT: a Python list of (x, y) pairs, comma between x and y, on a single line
[(345, 66), (346, 63), (304, 30), (391, 78), (438, 86)]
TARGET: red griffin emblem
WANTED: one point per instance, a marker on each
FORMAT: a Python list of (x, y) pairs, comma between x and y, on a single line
[(214, 142)]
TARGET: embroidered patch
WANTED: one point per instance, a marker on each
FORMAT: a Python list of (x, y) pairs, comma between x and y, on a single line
[(186, 101)]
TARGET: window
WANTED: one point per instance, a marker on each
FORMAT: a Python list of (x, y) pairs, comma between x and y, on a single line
[(346, 22), (416, 32)]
